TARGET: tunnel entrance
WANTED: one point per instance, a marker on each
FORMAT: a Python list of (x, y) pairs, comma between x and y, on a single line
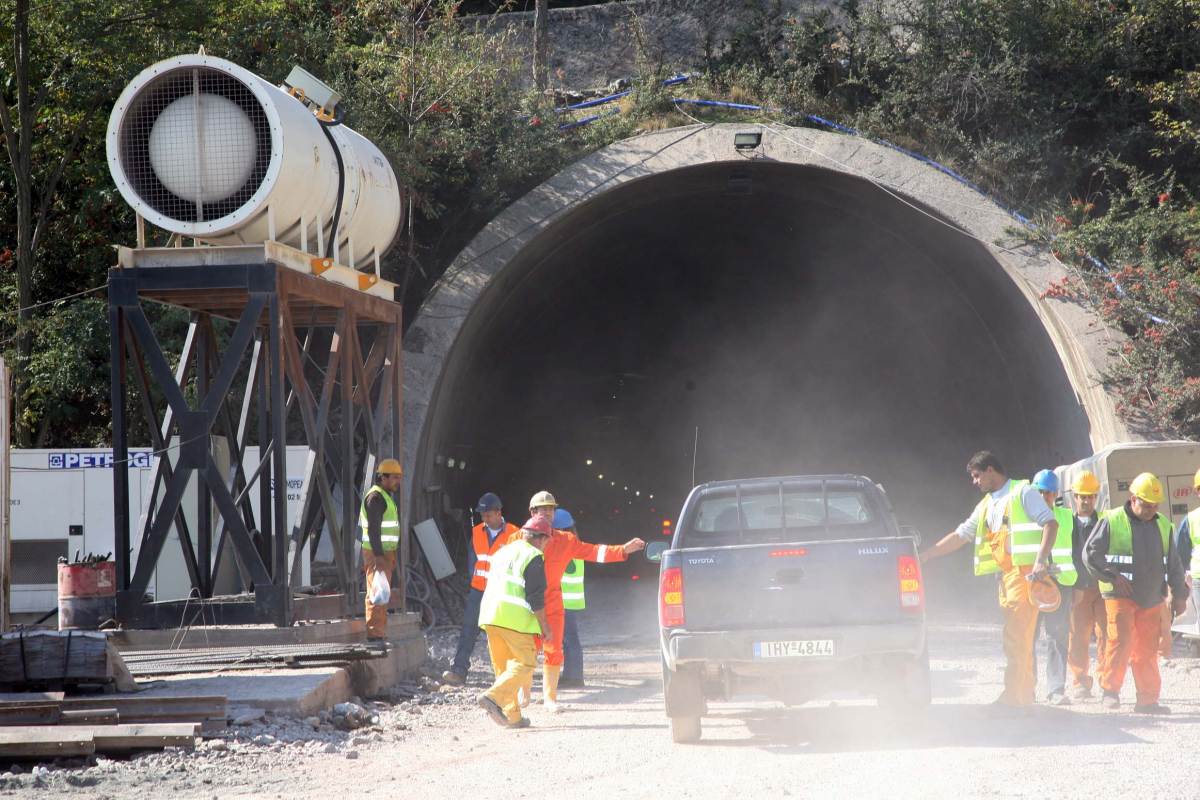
[(802, 319)]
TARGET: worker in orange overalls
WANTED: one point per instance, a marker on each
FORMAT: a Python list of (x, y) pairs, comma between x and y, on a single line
[(560, 550), (1132, 554)]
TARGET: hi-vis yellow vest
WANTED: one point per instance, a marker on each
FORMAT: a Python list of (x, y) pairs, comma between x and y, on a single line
[(1025, 535), (389, 527), (504, 604), (572, 585), (1061, 554), (1193, 521), (1120, 545)]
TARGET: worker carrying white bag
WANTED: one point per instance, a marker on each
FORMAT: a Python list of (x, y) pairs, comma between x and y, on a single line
[(380, 591)]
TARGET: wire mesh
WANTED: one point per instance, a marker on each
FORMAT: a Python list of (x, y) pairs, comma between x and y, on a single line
[(195, 144), (35, 561)]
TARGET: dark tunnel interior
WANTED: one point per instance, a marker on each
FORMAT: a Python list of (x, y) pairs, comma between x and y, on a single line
[(804, 321)]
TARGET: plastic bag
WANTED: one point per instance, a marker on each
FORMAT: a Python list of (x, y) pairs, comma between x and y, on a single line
[(381, 590)]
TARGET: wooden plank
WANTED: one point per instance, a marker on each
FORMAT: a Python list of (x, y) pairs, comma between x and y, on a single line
[(43, 742), (147, 709)]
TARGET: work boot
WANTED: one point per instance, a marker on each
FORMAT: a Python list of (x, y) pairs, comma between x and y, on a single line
[(1152, 708), (1112, 700), (453, 678), (493, 709), (523, 722), (550, 674), (1058, 699), (1081, 693)]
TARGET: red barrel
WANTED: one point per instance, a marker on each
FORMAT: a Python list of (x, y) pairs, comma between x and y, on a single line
[(87, 595)]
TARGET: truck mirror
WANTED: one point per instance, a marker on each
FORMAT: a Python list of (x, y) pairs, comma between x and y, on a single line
[(655, 550), (912, 532)]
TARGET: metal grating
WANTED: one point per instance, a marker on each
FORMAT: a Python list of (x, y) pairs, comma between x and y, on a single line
[(195, 144), (35, 561)]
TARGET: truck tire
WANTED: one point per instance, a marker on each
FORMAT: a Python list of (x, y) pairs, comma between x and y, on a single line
[(912, 688), (685, 704), (685, 730)]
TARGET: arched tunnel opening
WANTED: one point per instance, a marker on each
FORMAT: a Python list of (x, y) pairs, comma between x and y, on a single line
[(739, 320)]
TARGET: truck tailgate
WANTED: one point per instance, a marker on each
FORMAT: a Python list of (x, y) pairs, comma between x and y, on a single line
[(765, 586)]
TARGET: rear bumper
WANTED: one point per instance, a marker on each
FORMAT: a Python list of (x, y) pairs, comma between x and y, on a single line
[(734, 650)]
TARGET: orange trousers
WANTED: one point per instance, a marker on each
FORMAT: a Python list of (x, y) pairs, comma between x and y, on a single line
[(552, 648), (1165, 618), (1020, 628), (1087, 616), (1133, 634), (385, 563)]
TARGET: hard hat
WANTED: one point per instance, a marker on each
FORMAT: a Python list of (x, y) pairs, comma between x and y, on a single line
[(1086, 483), (1046, 481), (542, 499), (1045, 595), (1147, 487), (563, 519), (489, 502), (538, 525), (1196, 480), (389, 466)]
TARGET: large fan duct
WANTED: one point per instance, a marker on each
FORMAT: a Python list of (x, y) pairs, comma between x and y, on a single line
[(205, 149)]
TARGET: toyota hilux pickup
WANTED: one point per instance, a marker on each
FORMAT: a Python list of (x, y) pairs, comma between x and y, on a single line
[(790, 588)]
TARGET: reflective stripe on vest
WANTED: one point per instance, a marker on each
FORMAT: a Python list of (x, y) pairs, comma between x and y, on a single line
[(1193, 521), (1120, 545), (389, 527), (1061, 554), (485, 551), (572, 585), (504, 604), (1024, 535)]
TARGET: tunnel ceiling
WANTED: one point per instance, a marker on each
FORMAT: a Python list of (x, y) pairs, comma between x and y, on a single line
[(804, 320)]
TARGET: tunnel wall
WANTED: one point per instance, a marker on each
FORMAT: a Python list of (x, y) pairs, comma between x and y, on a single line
[(458, 314)]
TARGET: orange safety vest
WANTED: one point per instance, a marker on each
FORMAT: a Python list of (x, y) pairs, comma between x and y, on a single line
[(484, 553)]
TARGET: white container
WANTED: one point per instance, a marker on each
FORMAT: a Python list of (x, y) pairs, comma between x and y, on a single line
[(204, 148)]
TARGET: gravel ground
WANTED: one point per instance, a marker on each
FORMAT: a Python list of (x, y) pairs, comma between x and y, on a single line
[(613, 738)]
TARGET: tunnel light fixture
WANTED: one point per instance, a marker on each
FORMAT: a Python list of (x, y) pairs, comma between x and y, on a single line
[(462, 465), (612, 483), (639, 494), (745, 141), (602, 477), (450, 463), (627, 488), (589, 462)]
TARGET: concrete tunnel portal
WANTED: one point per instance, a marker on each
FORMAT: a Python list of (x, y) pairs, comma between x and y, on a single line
[(803, 318)]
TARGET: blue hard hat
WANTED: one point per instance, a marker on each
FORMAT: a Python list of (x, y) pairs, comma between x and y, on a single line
[(489, 502), (1046, 481), (563, 519)]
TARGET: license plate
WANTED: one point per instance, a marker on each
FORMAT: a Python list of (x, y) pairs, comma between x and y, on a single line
[(802, 648)]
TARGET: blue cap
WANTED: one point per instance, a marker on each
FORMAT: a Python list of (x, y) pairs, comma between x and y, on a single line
[(1046, 481), (563, 519), (489, 502)]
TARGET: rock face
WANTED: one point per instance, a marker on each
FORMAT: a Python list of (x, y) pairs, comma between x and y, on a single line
[(594, 46)]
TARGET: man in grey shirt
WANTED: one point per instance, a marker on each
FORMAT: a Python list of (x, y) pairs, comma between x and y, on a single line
[(1131, 553)]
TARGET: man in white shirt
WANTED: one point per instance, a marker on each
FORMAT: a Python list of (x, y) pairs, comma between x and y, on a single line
[(1013, 530)]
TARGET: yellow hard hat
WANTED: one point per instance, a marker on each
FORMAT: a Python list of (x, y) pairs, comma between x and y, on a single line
[(1147, 487), (1085, 483), (389, 466), (1045, 595), (542, 499), (1196, 480)]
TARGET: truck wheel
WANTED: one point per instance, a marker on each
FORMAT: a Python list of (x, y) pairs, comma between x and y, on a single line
[(685, 730), (911, 688)]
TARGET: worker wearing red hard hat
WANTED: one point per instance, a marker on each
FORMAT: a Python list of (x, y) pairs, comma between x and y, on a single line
[(513, 614), (1087, 605), (1187, 541), (560, 550), (1132, 554), (1014, 532)]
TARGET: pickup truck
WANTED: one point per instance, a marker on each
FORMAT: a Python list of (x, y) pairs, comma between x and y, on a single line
[(790, 588)]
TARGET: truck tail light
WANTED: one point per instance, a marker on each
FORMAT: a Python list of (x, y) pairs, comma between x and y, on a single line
[(912, 594), (670, 597)]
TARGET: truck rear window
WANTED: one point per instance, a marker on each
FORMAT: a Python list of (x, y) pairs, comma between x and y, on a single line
[(764, 519)]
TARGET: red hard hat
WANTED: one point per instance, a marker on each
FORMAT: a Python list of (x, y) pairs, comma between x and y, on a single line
[(539, 525)]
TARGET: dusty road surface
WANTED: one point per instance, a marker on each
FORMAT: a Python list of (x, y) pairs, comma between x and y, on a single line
[(613, 741)]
